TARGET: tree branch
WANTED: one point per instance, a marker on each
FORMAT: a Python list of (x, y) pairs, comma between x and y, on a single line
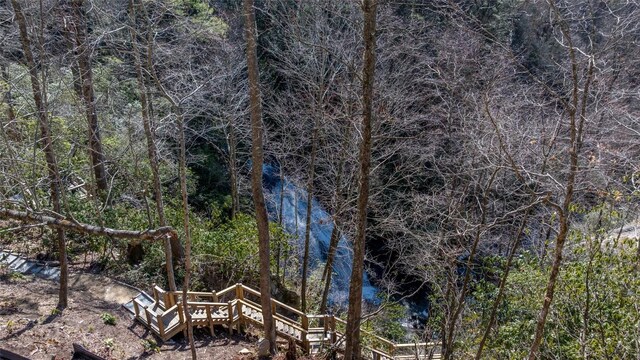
[(74, 226)]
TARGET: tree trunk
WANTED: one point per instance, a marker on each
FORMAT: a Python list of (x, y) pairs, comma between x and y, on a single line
[(334, 240), (328, 268), (307, 229), (233, 170), (458, 304), (152, 151), (502, 286), (576, 116), (177, 251), (187, 233), (83, 58), (46, 141), (257, 157), (352, 333)]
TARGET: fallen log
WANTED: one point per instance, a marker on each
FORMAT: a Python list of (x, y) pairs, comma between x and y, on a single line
[(81, 353), (9, 355), (68, 224)]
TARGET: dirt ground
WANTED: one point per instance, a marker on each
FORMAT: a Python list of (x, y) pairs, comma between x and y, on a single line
[(30, 325)]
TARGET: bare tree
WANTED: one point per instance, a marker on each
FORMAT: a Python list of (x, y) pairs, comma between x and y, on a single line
[(352, 332), (77, 25), (46, 142), (256, 173), (149, 131)]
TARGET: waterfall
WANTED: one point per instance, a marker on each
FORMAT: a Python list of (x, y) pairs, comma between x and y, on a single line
[(294, 214)]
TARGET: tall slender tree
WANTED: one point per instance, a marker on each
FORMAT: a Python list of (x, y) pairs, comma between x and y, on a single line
[(46, 142), (307, 230), (257, 157), (77, 25), (353, 342), (152, 150)]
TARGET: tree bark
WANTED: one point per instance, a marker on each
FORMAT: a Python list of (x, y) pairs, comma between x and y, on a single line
[(47, 146), (352, 333), (257, 157), (152, 151)]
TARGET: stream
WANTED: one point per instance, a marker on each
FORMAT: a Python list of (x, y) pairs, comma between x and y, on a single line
[(294, 212)]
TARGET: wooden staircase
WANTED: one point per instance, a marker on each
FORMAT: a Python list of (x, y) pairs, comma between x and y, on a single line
[(239, 305)]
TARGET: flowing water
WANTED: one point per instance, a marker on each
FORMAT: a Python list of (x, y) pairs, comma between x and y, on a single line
[(294, 213)]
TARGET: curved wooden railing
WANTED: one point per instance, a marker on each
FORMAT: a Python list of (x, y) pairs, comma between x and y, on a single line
[(239, 305)]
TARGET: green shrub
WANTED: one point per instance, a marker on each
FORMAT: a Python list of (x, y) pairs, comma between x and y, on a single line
[(108, 319)]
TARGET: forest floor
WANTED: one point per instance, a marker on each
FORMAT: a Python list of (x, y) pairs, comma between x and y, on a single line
[(30, 325)]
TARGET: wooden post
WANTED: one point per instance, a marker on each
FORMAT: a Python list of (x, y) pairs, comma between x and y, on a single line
[(148, 316), (304, 320), (135, 307), (327, 328), (239, 292), (209, 320), (334, 337), (230, 316), (155, 292), (160, 325), (180, 313), (239, 298), (214, 296)]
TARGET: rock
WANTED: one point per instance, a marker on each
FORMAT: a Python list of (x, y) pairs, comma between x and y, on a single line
[(245, 351), (263, 348)]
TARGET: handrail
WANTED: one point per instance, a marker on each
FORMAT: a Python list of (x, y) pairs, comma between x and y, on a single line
[(423, 344), (206, 303), (380, 347), (223, 292), (285, 306), (389, 343), (250, 290)]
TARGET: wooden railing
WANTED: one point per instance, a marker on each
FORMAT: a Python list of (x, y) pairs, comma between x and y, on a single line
[(239, 305)]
